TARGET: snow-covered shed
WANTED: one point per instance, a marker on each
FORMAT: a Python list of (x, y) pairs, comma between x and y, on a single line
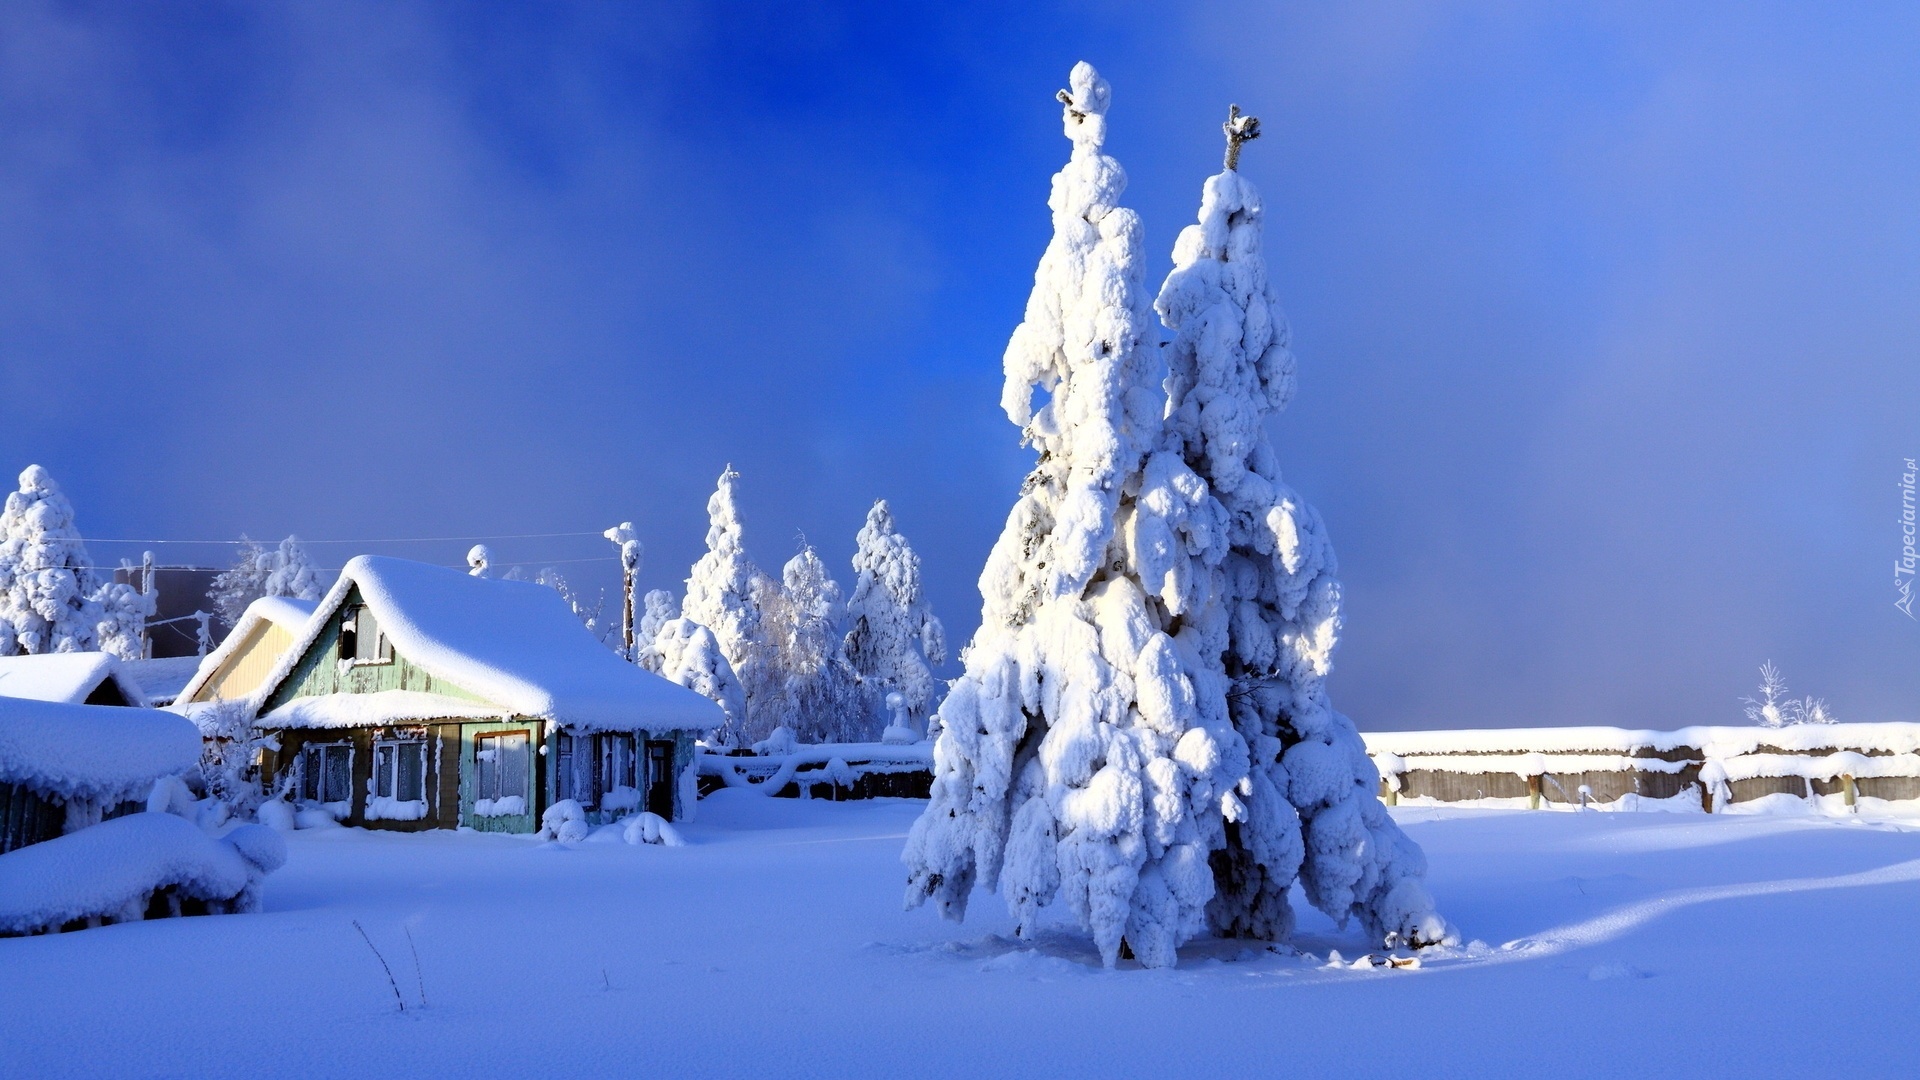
[(78, 843), (74, 678), (421, 697), (65, 766), (266, 630)]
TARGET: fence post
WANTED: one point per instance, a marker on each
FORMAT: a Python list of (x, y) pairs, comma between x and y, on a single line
[(1533, 793), (1848, 791)]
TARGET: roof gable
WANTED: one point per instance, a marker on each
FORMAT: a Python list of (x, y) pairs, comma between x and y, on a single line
[(285, 612)]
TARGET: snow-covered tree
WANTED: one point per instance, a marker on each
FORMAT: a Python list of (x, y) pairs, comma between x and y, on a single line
[(121, 619), (1085, 755), (820, 699), (658, 608), (1268, 613), (256, 572), (893, 637), (690, 655), (725, 592), (47, 583), (1774, 709)]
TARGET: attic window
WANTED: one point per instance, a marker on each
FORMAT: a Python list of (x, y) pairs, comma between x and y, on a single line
[(361, 639)]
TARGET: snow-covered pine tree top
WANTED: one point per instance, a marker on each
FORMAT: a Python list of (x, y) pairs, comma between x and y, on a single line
[(46, 577), (1086, 754), (893, 636), (720, 586), (293, 574), (1312, 806)]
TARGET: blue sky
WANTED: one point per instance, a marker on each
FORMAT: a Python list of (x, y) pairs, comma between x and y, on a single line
[(1605, 314)]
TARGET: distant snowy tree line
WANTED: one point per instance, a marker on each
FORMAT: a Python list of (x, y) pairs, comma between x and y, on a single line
[(793, 657)]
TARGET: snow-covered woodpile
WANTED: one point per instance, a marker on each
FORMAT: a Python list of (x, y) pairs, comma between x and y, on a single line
[(828, 771), (1693, 768), (71, 853)]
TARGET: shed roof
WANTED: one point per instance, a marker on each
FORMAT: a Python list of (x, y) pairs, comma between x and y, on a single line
[(513, 643), (67, 677), (100, 752)]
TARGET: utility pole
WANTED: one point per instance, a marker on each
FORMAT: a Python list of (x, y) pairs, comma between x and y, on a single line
[(623, 537)]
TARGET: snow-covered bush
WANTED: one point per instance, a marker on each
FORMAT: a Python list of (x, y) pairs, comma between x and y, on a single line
[(1774, 709), (893, 637), (229, 756), (651, 828), (565, 821), (1265, 613), (256, 572)]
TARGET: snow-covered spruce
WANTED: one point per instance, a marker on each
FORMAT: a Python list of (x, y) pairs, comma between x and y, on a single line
[(1085, 755), (657, 609), (51, 600), (691, 656), (893, 637), (724, 594), (1311, 804)]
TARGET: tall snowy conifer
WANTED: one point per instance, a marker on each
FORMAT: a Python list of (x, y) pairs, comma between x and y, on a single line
[(691, 656), (1085, 754), (894, 636), (47, 584), (724, 594), (1311, 808)]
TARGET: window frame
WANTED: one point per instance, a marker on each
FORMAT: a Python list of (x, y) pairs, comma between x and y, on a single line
[(350, 634), (388, 773), (314, 773)]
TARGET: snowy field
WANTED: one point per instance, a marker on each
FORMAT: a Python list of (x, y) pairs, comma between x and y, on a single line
[(775, 945)]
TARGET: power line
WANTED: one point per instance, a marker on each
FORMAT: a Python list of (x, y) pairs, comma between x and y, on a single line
[(389, 540)]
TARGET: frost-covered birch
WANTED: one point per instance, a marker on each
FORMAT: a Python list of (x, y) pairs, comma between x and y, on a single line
[(1311, 806), (893, 637), (821, 700), (1085, 755), (256, 572)]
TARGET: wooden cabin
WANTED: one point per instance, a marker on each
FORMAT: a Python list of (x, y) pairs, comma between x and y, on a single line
[(74, 678), (420, 697), (66, 766)]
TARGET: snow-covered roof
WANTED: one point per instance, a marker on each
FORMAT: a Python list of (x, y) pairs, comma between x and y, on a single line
[(284, 612), (513, 643), (161, 679), (102, 869), (70, 677), (98, 752), (381, 707)]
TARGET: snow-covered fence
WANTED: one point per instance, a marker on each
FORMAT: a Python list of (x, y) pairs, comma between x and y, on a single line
[(1707, 768), (826, 771)]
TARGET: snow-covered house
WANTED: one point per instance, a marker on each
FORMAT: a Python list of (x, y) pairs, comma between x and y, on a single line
[(243, 661), (78, 845), (74, 678), (421, 697)]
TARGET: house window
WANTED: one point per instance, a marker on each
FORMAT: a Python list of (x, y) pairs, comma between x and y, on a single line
[(361, 639), (500, 774), (400, 769), (596, 770), (619, 788), (326, 775)]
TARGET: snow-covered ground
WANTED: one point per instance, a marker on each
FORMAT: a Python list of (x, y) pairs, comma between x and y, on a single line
[(775, 945)]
